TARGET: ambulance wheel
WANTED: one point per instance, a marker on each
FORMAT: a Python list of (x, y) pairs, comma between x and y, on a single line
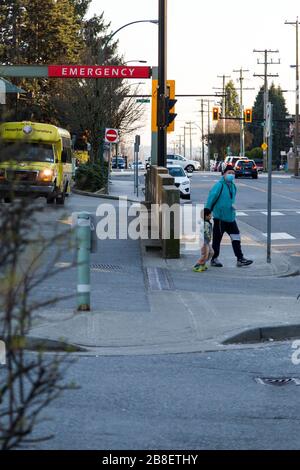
[(60, 199)]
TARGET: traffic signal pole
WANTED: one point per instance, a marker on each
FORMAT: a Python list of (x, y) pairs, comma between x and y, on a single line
[(162, 76)]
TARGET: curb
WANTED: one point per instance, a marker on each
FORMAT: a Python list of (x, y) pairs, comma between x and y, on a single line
[(102, 196), (49, 345), (264, 334)]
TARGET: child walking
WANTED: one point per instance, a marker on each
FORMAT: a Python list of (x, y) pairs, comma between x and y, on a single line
[(206, 250)]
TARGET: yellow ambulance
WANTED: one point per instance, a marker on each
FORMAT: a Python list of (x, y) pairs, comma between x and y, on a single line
[(35, 160)]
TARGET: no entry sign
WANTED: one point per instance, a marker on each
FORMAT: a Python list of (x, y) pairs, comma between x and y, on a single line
[(111, 136), (95, 71)]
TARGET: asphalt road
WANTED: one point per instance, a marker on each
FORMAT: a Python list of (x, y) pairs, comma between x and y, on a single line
[(182, 401), (187, 401)]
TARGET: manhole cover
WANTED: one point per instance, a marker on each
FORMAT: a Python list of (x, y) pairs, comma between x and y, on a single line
[(105, 267), (279, 381)]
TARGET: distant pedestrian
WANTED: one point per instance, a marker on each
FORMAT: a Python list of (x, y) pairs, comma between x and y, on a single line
[(206, 250), (220, 202)]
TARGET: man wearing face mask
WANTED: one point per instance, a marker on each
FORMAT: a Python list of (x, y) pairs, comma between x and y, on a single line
[(220, 202)]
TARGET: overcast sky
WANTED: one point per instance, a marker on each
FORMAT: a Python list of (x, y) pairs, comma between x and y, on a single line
[(207, 39)]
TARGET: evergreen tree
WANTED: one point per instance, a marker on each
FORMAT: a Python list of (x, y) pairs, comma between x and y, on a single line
[(232, 108), (281, 141), (81, 7), (30, 34)]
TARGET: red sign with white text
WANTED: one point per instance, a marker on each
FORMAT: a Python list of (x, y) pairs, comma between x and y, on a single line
[(98, 71), (111, 136)]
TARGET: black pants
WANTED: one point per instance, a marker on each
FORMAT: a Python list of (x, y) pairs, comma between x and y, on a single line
[(220, 227)]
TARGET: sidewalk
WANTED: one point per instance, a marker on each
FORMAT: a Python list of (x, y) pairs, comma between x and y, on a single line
[(142, 304), (121, 188)]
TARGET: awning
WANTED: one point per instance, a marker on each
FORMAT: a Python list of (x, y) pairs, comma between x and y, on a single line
[(9, 87)]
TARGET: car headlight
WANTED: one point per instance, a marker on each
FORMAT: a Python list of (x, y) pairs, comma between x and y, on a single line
[(46, 175), (185, 183)]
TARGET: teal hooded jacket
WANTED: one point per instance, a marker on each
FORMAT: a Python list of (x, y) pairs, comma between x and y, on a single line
[(221, 201)]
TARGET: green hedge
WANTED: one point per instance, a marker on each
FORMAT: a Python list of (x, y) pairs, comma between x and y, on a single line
[(255, 153), (91, 176)]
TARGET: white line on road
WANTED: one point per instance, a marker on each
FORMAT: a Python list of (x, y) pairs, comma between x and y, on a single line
[(280, 236), (273, 213)]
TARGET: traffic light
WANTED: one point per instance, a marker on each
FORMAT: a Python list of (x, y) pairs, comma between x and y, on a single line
[(170, 106), (248, 115), (215, 112), (166, 105)]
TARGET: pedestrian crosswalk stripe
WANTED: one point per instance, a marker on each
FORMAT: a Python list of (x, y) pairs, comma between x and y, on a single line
[(239, 213), (273, 213), (280, 236)]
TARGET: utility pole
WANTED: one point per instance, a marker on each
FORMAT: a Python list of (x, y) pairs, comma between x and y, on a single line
[(242, 122), (296, 133), (265, 76), (223, 115), (191, 134), (184, 140), (178, 142)]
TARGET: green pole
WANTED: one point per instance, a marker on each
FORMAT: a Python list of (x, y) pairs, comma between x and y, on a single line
[(83, 261)]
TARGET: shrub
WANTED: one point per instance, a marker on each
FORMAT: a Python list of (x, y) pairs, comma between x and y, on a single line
[(91, 176)]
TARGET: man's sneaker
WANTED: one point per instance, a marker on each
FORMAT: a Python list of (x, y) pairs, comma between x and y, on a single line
[(243, 262), (216, 263), (199, 268)]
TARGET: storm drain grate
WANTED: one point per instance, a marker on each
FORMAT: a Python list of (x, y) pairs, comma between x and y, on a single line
[(105, 267), (279, 381), (158, 279)]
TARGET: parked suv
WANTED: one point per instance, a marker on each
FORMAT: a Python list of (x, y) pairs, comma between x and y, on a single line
[(187, 165), (244, 168), (231, 161)]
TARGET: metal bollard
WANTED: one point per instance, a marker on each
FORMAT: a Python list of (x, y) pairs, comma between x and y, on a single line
[(84, 239)]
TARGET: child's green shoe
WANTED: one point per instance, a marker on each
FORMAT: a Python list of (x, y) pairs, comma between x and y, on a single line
[(199, 268)]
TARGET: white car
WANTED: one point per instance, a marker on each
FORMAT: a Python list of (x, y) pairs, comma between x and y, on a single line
[(181, 180), (187, 165), (141, 165)]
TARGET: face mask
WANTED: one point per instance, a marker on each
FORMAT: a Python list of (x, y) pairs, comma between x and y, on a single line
[(229, 178)]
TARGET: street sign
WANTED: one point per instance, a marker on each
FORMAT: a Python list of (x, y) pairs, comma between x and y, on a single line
[(264, 146), (111, 136), (98, 71)]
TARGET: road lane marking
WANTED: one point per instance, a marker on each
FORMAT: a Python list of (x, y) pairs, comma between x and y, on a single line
[(273, 213), (239, 213), (280, 236)]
